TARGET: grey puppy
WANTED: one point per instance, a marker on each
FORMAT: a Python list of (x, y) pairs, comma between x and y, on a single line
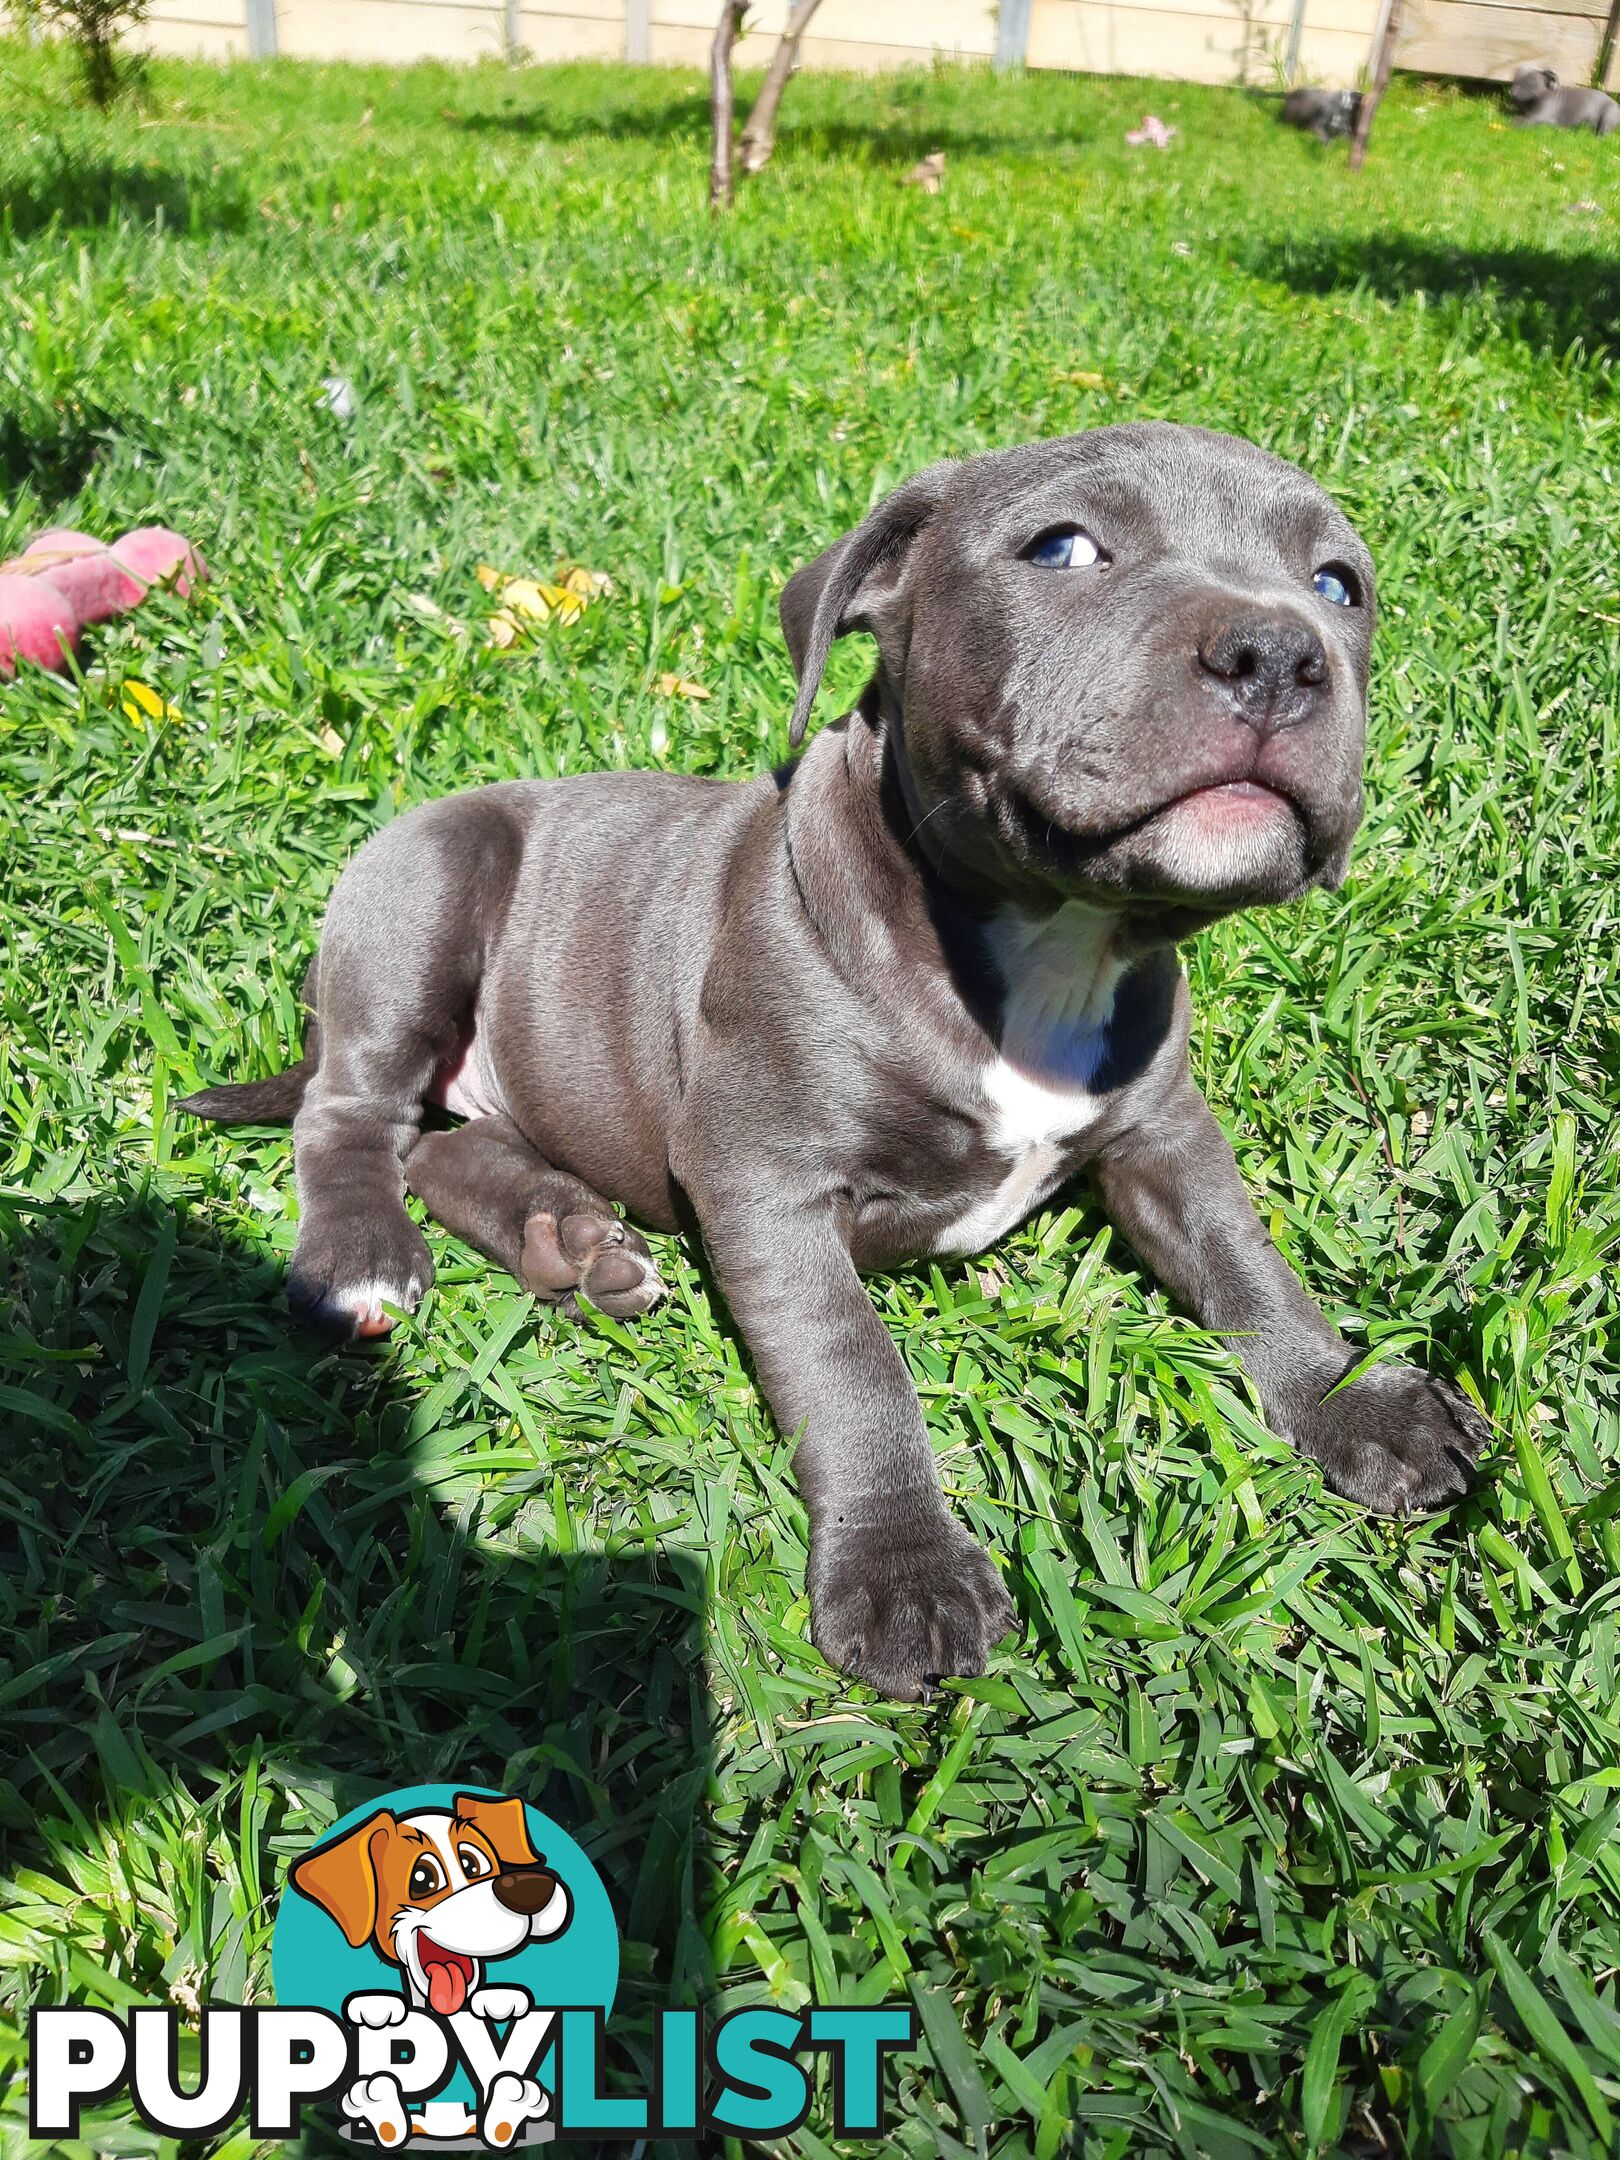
[(878, 1004), (1327, 114), (1542, 101)]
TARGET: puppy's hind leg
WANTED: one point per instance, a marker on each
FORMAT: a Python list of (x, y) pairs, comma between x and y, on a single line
[(401, 956), (558, 1237)]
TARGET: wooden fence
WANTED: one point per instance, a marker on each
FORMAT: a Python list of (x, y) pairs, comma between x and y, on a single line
[(1218, 41)]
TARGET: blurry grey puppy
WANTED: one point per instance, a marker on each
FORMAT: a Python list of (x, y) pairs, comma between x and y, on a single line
[(1542, 101), (1328, 114)]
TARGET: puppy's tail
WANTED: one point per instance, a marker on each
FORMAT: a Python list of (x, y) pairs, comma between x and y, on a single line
[(254, 1102)]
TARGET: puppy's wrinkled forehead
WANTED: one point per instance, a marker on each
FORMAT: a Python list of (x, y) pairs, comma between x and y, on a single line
[(1150, 491)]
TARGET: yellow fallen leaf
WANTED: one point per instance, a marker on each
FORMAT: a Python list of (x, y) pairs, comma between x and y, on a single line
[(678, 686), (567, 606), (141, 702), (1088, 379), (331, 741), (524, 601), (523, 596), (589, 584)]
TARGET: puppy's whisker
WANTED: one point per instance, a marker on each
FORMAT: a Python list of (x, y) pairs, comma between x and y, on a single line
[(923, 820)]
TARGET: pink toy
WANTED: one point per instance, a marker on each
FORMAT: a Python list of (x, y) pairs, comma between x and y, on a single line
[(1152, 133), (61, 540), (91, 580), (160, 556), (36, 623), (67, 580)]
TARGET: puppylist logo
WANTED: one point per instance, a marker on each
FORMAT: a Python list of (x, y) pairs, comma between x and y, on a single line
[(444, 1962)]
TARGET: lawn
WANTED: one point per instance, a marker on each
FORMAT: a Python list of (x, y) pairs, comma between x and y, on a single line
[(1276, 1829)]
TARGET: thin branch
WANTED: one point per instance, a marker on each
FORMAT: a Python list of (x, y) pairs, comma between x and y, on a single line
[(722, 101), (759, 136)]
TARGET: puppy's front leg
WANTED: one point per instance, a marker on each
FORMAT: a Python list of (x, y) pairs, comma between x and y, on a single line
[(1394, 1440), (900, 1593)]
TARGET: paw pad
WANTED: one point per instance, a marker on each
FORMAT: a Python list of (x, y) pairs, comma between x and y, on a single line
[(593, 1255)]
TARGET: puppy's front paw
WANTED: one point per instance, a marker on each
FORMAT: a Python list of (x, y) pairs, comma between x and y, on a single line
[(499, 2005), (906, 1605), (344, 1273), (1396, 1441), (376, 2012)]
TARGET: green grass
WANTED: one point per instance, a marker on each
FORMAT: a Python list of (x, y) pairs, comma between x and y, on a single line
[(1278, 1830)]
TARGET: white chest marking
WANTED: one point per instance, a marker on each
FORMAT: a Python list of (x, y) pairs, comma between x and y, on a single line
[(1061, 974)]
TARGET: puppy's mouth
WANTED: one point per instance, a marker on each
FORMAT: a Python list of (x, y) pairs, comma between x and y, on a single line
[(448, 1974), (1214, 809), (1226, 801)]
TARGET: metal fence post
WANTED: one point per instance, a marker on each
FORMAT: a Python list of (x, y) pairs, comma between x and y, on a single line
[(1296, 28), (1012, 33), (261, 29)]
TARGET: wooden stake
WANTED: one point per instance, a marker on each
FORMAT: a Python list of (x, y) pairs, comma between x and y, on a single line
[(1611, 30), (1373, 96)]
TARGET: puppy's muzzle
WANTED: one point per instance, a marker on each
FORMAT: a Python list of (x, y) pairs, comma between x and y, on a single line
[(525, 1890), (1271, 670)]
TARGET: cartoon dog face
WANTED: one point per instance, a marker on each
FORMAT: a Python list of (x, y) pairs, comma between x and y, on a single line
[(439, 1892)]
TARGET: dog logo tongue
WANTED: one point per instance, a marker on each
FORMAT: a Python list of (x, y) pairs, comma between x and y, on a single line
[(447, 1975)]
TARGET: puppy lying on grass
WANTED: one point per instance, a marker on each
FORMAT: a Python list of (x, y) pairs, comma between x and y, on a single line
[(880, 1003), (1539, 99)]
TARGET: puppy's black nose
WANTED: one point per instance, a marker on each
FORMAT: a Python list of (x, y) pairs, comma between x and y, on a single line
[(1270, 667), (525, 1890)]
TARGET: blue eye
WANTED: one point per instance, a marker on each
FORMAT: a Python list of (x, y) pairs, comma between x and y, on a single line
[(1070, 550), (1334, 588)]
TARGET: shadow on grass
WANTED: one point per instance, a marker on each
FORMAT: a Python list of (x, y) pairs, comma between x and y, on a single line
[(683, 117), (87, 192), (673, 117), (53, 451), (233, 1559), (1544, 297)]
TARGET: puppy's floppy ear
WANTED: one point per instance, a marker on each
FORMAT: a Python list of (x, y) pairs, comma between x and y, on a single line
[(835, 593), (503, 1822), (342, 1878)]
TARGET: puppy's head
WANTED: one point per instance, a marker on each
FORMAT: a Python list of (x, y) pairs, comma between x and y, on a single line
[(439, 1892), (1531, 83), (1129, 665)]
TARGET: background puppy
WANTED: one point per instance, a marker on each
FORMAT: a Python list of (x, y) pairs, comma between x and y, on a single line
[(881, 1003), (1328, 114), (1542, 101)]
